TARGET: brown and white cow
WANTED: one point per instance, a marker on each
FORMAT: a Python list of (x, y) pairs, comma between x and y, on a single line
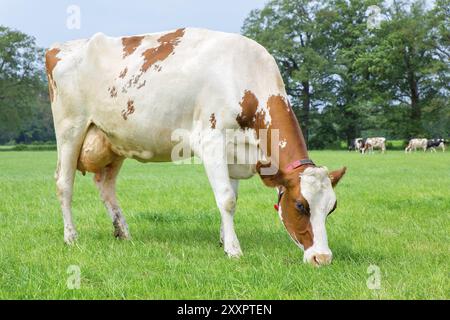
[(374, 143), (118, 98), (415, 144)]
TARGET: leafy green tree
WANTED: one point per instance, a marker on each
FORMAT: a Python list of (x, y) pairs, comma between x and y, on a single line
[(288, 29), (316, 44), (22, 81), (439, 19), (38, 126), (347, 34), (405, 63)]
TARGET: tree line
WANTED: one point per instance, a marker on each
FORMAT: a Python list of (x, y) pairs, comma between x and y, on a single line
[(25, 114), (357, 68), (352, 68)]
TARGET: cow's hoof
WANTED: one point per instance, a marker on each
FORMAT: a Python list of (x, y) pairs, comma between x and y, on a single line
[(70, 237), (122, 234), (234, 255), (121, 230), (221, 241), (233, 252)]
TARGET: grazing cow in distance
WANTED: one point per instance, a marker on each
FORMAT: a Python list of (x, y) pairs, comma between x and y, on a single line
[(374, 143), (118, 98), (356, 144), (436, 143), (415, 144)]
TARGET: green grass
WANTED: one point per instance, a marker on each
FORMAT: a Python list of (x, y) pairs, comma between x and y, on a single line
[(393, 212)]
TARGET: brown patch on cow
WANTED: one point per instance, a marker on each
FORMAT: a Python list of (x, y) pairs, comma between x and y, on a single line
[(337, 175), (157, 68), (123, 73), (129, 110), (142, 84), (249, 105), (167, 46), (130, 44), (298, 224), (283, 118), (213, 121), (250, 117), (173, 36), (112, 92), (51, 60), (136, 78)]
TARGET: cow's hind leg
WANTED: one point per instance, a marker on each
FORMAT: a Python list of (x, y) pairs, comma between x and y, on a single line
[(106, 184), (69, 143)]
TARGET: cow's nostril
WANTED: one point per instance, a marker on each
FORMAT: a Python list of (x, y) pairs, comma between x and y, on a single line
[(321, 259), (316, 261)]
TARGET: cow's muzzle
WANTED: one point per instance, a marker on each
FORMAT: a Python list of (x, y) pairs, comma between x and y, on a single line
[(319, 259)]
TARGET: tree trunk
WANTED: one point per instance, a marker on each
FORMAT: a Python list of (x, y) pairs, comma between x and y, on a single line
[(306, 107), (416, 112)]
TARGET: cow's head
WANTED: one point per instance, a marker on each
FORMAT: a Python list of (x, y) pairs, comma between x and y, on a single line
[(306, 198), (359, 144)]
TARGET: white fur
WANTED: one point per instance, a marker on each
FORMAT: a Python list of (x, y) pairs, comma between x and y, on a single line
[(358, 144), (415, 144), (316, 188), (283, 144), (208, 73), (379, 143)]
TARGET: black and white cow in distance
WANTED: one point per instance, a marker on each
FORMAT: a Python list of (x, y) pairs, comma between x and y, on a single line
[(356, 145), (436, 143), (374, 143), (118, 98)]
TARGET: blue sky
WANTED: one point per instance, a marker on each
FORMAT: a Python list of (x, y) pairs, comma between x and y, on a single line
[(46, 19)]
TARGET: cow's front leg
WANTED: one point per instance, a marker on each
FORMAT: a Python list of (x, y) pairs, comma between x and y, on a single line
[(235, 185), (225, 195), (226, 202)]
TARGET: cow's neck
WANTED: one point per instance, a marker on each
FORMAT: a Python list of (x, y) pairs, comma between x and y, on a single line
[(292, 146)]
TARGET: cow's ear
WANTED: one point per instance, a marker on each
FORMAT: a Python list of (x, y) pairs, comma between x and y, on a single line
[(335, 176)]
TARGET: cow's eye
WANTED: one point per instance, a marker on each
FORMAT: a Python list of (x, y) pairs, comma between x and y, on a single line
[(300, 207)]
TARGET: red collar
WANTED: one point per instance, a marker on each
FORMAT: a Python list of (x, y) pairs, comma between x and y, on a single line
[(298, 163), (280, 194)]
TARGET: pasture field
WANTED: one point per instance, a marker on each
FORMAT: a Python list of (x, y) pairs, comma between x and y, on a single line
[(392, 217)]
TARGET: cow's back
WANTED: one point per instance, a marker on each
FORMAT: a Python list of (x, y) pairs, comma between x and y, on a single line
[(139, 89)]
